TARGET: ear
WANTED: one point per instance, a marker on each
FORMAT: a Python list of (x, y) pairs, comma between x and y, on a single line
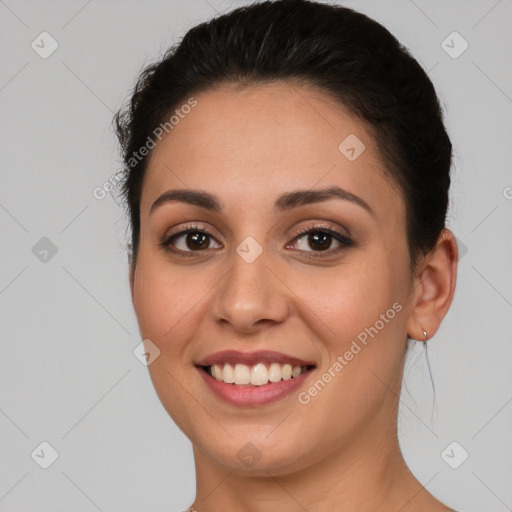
[(434, 287)]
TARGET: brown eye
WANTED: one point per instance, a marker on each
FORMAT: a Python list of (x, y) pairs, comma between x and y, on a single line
[(319, 241), (191, 241), (197, 241)]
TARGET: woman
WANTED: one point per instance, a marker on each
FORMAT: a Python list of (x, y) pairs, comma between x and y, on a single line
[(287, 176)]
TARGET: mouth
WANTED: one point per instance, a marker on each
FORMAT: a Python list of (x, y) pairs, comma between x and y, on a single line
[(257, 378), (259, 374)]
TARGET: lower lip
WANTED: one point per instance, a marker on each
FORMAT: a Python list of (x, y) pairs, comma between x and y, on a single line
[(253, 395)]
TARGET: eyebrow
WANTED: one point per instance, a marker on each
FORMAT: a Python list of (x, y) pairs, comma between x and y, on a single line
[(284, 202), (193, 197), (303, 197)]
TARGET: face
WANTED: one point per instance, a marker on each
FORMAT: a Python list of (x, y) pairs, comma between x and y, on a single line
[(267, 248)]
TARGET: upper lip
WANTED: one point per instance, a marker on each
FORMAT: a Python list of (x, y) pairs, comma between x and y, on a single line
[(252, 358)]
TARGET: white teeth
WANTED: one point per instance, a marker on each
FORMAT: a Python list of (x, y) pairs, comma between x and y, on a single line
[(257, 375), (286, 371), (274, 372), (229, 374), (297, 370), (242, 374), (217, 372)]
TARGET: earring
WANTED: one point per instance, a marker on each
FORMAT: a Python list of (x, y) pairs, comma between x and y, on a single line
[(424, 334)]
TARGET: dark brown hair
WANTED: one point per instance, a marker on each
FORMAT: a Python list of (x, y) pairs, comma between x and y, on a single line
[(349, 56)]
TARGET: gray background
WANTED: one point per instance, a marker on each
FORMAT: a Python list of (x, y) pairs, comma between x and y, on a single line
[(68, 375)]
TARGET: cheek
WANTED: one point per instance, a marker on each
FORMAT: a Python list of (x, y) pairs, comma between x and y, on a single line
[(348, 299), (165, 302), (359, 320), (357, 313)]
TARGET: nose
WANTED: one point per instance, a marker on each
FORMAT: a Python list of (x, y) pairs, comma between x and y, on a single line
[(250, 297)]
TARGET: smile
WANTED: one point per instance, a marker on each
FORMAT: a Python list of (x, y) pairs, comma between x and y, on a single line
[(257, 375), (249, 379)]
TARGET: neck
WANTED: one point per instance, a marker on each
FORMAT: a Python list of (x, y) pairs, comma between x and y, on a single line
[(367, 474)]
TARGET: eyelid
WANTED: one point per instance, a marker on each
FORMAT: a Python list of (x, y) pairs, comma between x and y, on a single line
[(344, 240), (189, 227), (321, 227), (180, 231), (343, 235), (329, 226)]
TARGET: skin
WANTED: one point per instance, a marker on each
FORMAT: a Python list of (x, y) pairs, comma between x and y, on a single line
[(247, 146)]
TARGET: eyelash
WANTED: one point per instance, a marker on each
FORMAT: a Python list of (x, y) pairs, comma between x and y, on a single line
[(345, 241), (166, 244)]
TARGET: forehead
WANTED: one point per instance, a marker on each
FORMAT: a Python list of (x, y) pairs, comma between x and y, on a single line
[(257, 141)]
